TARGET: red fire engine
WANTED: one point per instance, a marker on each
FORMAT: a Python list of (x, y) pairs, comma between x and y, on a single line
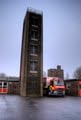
[(53, 86)]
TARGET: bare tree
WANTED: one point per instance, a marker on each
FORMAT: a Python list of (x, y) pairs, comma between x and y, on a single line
[(77, 73), (67, 76), (2, 75), (44, 74)]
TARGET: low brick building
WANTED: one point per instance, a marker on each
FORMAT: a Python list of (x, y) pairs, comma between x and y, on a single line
[(56, 72), (9, 85), (73, 87)]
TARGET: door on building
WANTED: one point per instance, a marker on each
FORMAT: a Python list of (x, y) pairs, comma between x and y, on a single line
[(0, 87), (3, 87), (80, 88)]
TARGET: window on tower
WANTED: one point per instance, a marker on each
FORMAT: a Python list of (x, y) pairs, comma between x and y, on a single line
[(34, 34), (33, 50), (33, 66), (34, 21)]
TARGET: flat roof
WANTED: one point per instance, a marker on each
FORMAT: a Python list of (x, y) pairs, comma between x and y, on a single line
[(68, 80), (11, 79), (34, 11)]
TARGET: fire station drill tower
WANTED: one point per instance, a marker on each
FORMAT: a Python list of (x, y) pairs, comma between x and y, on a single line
[(31, 66)]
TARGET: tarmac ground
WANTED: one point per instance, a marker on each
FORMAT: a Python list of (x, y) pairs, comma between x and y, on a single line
[(14, 107)]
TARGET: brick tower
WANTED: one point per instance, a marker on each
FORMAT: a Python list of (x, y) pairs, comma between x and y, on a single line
[(31, 67)]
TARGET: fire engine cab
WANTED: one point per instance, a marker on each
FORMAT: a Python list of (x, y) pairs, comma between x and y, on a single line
[(53, 86)]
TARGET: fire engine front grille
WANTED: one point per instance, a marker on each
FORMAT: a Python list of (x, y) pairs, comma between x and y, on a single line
[(60, 89)]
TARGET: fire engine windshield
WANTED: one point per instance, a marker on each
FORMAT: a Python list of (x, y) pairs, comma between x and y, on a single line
[(59, 83)]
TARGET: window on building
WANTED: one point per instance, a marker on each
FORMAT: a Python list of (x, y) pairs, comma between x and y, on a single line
[(80, 86), (68, 85), (33, 50), (0, 84), (5, 85), (34, 34), (33, 66), (35, 21)]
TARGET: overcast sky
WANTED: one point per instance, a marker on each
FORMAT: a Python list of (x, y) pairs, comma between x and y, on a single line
[(61, 33)]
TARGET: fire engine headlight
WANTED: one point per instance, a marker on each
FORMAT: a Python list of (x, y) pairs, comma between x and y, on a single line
[(63, 92), (55, 91)]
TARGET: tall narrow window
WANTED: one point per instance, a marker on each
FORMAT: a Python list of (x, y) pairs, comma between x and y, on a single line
[(35, 22), (0, 84), (34, 34), (33, 66), (5, 85), (33, 50), (80, 86)]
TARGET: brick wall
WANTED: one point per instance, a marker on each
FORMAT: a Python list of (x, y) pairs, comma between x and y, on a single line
[(72, 87), (13, 88)]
